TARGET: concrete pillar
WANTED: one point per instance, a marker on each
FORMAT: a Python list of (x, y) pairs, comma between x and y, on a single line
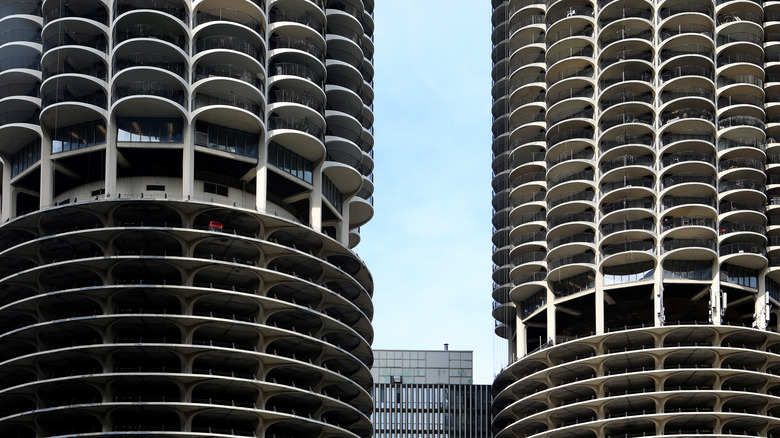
[(315, 200), (551, 329), (111, 158), (762, 315), (8, 195), (47, 173), (188, 162), (599, 297), (261, 177), (718, 302)]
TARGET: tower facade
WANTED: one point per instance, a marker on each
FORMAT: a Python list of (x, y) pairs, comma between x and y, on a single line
[(183, 183), (635, 218)]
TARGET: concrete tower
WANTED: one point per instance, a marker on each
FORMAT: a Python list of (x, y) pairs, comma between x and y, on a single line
[(183, 183), (637, 239)]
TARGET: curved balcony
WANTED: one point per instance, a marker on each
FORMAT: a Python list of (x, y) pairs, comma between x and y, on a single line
[(635, 225), (577, 259), (82, 9), (734, 58), (585, 216), (687, 178), (306, 18), (742, 248), (687, 70), (232, 71), (681, 28), (740, 142), (587, 196), (202, 100), (229, 42), (642, 246), (741, 184), (584, 237), (606, 38), (301, 71), (676, 244), (624, 204), (151, 31), (677, 201), (288, 42), (728, 228), (642, 181), (173, 8), (297, 124), (143, 88), (686, 113), (231, 16)]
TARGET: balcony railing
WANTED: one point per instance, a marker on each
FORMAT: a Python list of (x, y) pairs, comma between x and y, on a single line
[(586, 258), (642, 224), (171, 8), (144, 88), (229, 42), (302, 124), (736, 248), (304, 18), (674, 201), (687, 156), (643, 203), (687, 178), (153, 31), (585, 216), (673, 244), (585, 195), (637, 246)]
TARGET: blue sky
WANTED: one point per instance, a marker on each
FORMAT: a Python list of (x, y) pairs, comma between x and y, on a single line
[(428, 245)]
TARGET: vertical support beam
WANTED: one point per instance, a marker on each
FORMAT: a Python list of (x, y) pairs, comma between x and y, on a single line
[(315, 213), (521, 346), (761, 315), (8, 195), (111, 158), (47, 173), (718, 302), (188, 162), (261, 177), (599, 304), (551, 329), (659, 316)]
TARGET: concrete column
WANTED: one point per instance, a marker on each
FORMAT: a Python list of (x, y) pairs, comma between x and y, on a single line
[(762, 315), (47, 173), (551, 329), (261, 178), (188, 162), (599, 297), (717, 300), (315, 200), (111, 159), (9, 197), (658, 294), (342, 230), (521, 345)]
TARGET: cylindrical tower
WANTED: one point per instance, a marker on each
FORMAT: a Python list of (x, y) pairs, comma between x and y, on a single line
[(633, 193), (183, 183)]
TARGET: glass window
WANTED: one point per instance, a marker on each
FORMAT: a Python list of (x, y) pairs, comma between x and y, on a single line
[(290, 162), (226, 139), (147, 130), (688, 270), (26, 157), (78, 136)]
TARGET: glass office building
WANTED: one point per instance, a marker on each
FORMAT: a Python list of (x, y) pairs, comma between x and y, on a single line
[(428, 394)]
